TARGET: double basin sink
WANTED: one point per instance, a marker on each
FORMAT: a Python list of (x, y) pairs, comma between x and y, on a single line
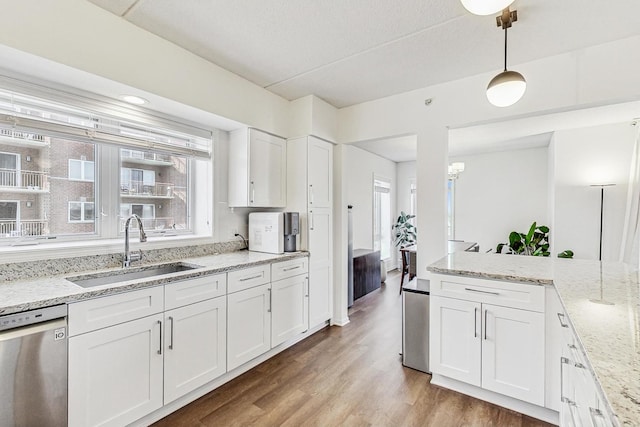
[(126, 274)]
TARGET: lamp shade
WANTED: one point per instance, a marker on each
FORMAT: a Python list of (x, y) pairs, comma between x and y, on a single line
[(506, 88), (485, 7)]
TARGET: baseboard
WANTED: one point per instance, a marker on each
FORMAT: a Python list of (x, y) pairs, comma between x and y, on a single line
[(535, 411), (340, 322)]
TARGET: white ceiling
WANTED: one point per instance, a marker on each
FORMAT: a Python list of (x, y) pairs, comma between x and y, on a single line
[(347, 52), (397, 149)]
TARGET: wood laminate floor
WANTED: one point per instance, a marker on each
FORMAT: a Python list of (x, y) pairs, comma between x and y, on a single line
[(344, 376)]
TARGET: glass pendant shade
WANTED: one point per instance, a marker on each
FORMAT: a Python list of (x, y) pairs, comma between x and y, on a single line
[(485, 7), (506, 88)]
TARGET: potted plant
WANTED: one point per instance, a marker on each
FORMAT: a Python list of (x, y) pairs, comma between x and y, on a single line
[(534, 243), (405, 231)]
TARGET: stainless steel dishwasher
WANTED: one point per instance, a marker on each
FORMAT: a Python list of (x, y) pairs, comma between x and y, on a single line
[(33, 368)]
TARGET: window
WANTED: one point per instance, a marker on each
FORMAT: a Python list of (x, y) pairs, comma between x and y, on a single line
[(81, 212), (413, 197), (382, 217), (79, 171)]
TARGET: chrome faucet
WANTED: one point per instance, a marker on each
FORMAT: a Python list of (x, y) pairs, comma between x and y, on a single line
[(136, 256)]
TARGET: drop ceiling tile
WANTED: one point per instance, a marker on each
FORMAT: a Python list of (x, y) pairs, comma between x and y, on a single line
[(273, 40)]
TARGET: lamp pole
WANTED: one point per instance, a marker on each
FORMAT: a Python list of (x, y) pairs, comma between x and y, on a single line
[(601, 213)]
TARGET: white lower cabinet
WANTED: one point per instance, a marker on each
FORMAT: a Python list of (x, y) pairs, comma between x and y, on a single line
[(134, 352), (115, 373), (581, 401), (290, 308), (249, 324), (490, 335), (513, 353), (194, 346)]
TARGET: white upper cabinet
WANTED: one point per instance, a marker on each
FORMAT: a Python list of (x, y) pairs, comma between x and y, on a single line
[(257, 169)]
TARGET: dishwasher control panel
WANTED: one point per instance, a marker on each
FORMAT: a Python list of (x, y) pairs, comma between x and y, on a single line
[(25, 318)]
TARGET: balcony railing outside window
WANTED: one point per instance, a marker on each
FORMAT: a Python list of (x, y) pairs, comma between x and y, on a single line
[(139, 188), (32, 227), (150, 224), (29, 180)]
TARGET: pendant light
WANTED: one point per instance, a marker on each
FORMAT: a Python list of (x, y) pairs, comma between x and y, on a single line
[(508, 87), (485, 7)]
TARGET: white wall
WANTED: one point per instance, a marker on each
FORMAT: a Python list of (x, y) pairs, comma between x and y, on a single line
[(593, 155), (360, 167), (498, 193)]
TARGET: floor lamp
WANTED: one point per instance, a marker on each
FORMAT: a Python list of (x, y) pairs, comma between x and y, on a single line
[(601, 212), (601, 300)]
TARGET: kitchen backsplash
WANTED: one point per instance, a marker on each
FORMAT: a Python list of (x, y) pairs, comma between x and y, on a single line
[(51, 267)]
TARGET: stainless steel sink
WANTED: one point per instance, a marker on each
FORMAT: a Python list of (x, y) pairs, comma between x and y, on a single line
[(125, 274)]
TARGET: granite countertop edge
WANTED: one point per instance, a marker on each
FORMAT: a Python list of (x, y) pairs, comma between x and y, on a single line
[(29, 294)]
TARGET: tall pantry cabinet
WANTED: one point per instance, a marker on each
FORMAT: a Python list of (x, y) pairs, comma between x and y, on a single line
[(310, 192)]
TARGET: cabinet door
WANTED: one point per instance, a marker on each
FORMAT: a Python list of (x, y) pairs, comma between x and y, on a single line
[(115, 373), (513, 353), (289, 313), (195, 344), (267, 170), (455, 339), (248, 325), (320, 172), (320, 271)]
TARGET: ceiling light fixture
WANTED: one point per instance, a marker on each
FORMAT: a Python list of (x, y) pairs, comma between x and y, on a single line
[(506, 88), (135, 100), (485, 7)]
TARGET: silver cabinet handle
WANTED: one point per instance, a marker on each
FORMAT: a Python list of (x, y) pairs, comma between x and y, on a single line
[(485, 323), (291, 268), (475, 322), (269, 309), (563, 361), (311, 220), (307, 288), (253, 193), (482, 292), (560, 317), (310, 194), (160, 347), (171, 335), (251, 278)]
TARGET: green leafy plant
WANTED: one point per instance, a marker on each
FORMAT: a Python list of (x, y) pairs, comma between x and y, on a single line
[(405, 231), (534, 243), (566, 254)]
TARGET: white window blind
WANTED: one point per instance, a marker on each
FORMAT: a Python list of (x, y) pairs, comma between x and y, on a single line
[(24, 115)]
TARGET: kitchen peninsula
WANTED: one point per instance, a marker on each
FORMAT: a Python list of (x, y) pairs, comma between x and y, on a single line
[(591, 335)]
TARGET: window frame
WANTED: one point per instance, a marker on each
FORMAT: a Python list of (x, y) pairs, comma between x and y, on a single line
[(82, 212), (83, 164)]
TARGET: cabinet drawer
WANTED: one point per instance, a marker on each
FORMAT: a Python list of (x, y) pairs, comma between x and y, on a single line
[(99, 313), (248, 278), (508, 294), (185, 292), (285, 269)]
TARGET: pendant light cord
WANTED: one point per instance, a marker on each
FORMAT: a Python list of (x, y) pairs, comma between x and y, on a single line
[(505, 49)]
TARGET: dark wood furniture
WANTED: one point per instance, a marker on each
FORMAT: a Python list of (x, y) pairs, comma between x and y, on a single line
[(366, 272), (408, 255)]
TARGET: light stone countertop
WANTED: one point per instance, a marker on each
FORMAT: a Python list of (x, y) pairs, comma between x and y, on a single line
[(29, 294), (609, 334)]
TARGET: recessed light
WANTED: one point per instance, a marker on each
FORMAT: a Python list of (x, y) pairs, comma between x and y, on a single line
[(132, 99)]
